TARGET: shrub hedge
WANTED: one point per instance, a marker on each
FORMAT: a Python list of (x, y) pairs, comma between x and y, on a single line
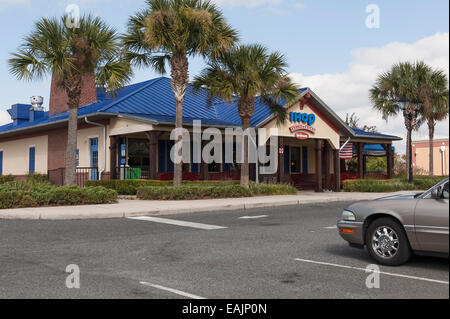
[(6, 179), (393, 185), (199, 191), (35, 194), (130, 187)]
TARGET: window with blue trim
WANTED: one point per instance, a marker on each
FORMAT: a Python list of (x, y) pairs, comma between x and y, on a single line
[(32, 160), (77, 158)]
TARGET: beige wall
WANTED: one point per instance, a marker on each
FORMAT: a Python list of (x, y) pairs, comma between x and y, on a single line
[(124, 126), (323, 130), (16, 155), (83, 145), (422, 159)]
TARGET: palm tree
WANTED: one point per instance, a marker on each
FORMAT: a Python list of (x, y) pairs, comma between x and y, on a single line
[(390, 87), (245, 73), (353, 121), (172, 31), (68, 54), (433, 92)]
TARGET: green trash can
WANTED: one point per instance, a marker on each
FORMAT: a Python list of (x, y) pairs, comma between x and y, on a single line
[(134, 173)]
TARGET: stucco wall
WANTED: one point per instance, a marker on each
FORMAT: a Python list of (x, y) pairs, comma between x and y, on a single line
[(421, 157), (83, 145), (323, 130), (16, 155)]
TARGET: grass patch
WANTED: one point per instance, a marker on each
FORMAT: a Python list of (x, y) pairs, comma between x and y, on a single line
[(198, 191), (130, 187), (36, 193), (393, 185)]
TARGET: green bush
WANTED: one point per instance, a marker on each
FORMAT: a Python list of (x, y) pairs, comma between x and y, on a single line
[(393, 185), (199, 191), (130, 187), (38, 178), (191, 192), (28, 194), (272, 189), (6, 179)]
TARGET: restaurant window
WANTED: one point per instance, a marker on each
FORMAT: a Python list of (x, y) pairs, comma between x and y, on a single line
[(138, 153), (295, 160)]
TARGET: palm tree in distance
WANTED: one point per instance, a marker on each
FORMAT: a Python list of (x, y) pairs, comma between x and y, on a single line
[(245, 73), (171, 31), (69, 53), (434, 95), (399, 83)]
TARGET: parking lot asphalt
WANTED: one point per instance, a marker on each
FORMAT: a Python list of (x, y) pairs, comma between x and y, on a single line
[(286, 252)]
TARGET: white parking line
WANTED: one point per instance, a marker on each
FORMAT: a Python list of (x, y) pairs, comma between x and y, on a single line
[(175, 291), (178, 223), (253, 217), (379, 272), (331, 227)]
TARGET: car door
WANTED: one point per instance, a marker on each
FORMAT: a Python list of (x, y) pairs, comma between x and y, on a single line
[(431, 222)]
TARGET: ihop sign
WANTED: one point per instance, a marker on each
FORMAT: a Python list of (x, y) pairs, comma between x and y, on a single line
[(305, 118)]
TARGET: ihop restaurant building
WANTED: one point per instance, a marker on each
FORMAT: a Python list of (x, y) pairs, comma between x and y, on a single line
[(127, 136)]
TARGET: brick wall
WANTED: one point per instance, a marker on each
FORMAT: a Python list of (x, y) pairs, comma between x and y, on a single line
[(57, 142), (58, 97)]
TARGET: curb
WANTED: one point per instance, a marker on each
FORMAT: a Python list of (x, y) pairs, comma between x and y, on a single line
[(30, 215)]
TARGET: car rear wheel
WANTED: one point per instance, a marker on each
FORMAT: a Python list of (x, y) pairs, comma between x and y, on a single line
[(387, 242)]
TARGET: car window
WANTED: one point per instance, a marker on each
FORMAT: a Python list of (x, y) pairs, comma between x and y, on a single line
[(445, 191)]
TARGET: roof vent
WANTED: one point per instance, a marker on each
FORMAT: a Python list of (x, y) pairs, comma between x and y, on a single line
[(36, 103)]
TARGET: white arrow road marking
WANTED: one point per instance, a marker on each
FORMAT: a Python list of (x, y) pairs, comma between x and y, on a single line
[(178, 223), (331, 227), (378, 272), (175, 291), (253, 217)]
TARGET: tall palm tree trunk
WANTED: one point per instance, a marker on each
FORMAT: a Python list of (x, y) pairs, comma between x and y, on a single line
[(408, 158), (245, 171), (73, 91), (180, 80), (431, 127), (70, 172)]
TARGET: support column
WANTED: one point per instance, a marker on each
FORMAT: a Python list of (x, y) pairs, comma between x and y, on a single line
[(113, 154), (280, 160), (337, 171), (319, 146), (327, 165), (153, 149), (359, 150), (390, 161)]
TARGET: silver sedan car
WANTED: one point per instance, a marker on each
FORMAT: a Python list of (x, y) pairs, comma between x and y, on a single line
[(393, 228)]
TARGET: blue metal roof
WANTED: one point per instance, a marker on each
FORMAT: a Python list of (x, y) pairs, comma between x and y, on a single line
[(370, 134), (154, 100)]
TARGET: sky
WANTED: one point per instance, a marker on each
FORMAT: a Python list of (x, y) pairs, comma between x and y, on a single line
[(327, 43)]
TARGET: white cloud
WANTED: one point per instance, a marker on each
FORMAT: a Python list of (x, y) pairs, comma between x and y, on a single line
[(348, 92), (4, 117)]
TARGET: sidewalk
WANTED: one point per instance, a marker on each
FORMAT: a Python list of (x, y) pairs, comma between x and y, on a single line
[(133, 208)]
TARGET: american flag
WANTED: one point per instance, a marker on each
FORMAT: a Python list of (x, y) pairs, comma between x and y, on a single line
[(347, 152)]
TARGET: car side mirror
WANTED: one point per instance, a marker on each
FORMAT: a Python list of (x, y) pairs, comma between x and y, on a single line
[(435, 193)]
